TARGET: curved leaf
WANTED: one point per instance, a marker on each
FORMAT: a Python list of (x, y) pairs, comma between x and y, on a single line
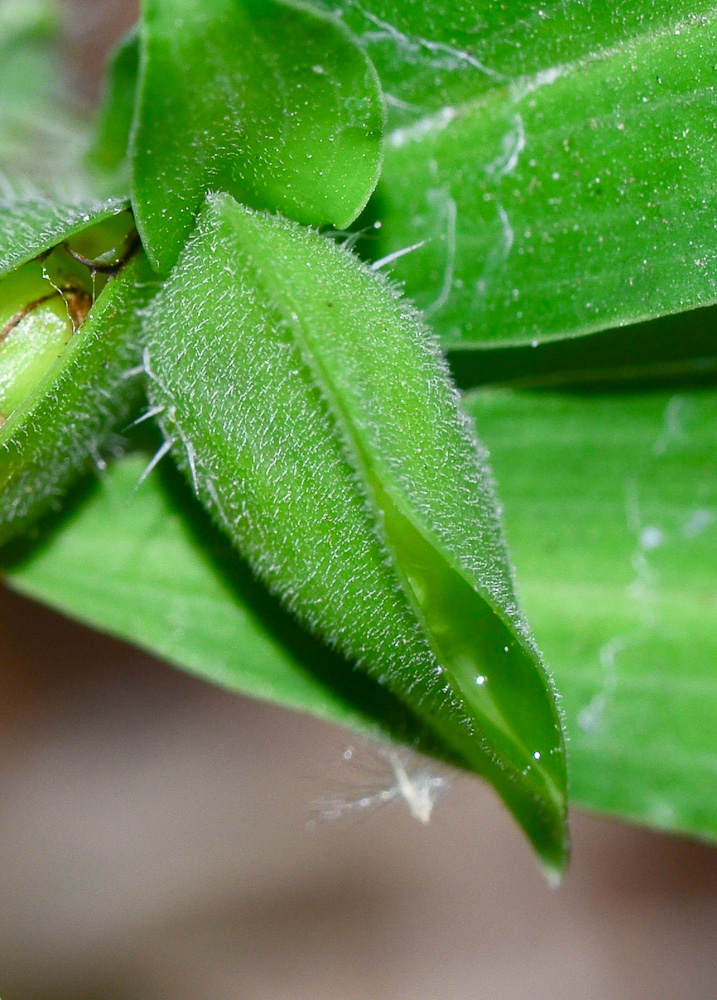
[(68, 344), (59, 427), (273, 103), (611, 512), (318, 425), (142, 561)]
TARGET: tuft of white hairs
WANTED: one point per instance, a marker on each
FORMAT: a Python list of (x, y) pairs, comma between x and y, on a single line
[(379, 774)]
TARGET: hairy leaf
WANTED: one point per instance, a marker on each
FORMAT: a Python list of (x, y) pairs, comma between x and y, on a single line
[(273, 103), (317, 423), (68, 345), (138, 557), (30, 226)]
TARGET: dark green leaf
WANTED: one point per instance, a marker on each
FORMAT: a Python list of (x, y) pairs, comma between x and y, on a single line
[(273, 103)]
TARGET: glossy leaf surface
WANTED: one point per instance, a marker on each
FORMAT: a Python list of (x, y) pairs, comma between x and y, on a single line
[(318, 425), (274, 103), (554, 159), (611, 511)]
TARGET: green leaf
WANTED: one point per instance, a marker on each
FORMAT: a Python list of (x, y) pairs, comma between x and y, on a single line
[(433, 54), (68, 343), (60, 426), (559, 170), (582, 480), (141, 562), (108, 156), (611, 513), (318, 425), (30, 226), (273, 103)]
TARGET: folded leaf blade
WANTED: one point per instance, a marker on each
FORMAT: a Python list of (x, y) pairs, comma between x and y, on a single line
[(317, 422)]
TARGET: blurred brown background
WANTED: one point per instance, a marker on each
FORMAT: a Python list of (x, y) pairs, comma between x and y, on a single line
[(153, 843)]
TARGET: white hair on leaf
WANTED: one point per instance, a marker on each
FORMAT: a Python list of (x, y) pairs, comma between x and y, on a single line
[(159, 454)]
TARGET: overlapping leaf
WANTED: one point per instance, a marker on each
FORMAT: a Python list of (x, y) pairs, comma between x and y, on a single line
[(611, 510), (59, 422), (274, 103), (29, 226), (317, 423), (611, 513)]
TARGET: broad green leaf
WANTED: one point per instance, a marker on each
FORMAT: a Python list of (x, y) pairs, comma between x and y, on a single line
[(667, 352), (108, 156), (274, 103), (559, 172), (317, 423), (611, 513), (432, 54)]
